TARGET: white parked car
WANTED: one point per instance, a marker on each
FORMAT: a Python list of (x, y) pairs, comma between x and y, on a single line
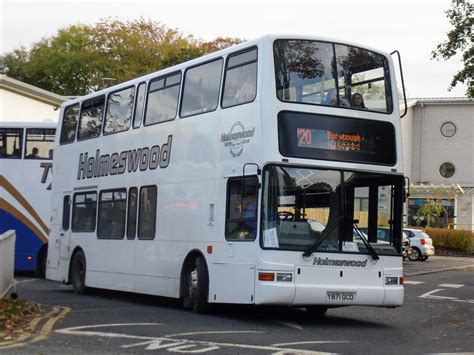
[(421, 243)]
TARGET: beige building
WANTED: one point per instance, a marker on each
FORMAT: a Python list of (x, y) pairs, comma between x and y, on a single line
[(438, 144), (26, 103)]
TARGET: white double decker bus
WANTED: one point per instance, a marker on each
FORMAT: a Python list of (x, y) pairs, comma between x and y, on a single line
[(244, 176)]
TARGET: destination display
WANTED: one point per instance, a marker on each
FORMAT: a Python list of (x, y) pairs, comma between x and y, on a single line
[(325, 139), (337, 138)]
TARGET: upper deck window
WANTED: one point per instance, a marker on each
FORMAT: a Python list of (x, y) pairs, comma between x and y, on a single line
[(162, 103), (70, 118), (90, 122), (240, 85), (329, 74), (201, 88), (39, 143), (118, 116), (11, 143)]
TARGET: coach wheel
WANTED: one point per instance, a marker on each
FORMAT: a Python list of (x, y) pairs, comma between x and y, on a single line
[(41, 263), (78, 274), (198, 286), (316, 311)]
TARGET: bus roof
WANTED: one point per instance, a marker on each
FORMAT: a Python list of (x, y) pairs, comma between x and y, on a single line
[(29, 124)]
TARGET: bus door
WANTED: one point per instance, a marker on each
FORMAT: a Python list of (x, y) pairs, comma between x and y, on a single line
[(65, 230)]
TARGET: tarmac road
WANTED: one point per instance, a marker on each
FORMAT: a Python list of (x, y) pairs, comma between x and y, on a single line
[(436, 318)]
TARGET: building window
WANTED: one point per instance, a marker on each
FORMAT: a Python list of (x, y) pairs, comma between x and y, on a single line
[(448, 129), (447, 170)]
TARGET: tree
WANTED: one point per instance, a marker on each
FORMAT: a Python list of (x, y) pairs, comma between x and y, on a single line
[(428, 212), (459, 40), (76, 60)]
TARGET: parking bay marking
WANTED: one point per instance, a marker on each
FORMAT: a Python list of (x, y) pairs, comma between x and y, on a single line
[(451, 285), (185, 345), (430, 295), (409, 282)]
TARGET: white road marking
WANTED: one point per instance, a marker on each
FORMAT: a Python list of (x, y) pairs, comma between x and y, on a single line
[(23, 281), (408, 282), (291, 325), (186, 345), (451, 285), (430, 295), (214, 332), (314, 342)]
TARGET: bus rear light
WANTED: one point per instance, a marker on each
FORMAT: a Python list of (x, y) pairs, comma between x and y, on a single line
[(401, 281), (422, 241), (209, 249), (29, 258), (266, 276)]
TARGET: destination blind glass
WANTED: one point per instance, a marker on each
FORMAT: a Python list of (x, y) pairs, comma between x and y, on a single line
[(346, 139)]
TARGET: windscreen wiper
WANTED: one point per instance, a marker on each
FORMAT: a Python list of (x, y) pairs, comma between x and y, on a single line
[(324, 235), (369, 247)]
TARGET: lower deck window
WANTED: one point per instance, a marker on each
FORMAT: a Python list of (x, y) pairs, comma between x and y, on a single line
[(147, 213), (84, 212), (112, 209)]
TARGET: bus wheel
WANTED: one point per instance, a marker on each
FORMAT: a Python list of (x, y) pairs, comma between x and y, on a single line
[(198, 286), (316, 311), (78, 273)]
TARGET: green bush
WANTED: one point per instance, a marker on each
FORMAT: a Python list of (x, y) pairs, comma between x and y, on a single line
[(452, 239)]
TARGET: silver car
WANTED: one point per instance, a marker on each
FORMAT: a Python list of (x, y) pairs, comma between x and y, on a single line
[(421, 243)]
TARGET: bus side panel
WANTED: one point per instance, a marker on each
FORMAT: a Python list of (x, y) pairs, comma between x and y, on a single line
[(109, 263), (27, 243)]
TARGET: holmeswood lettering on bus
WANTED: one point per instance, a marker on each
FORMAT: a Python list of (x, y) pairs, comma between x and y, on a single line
[(128, 160)]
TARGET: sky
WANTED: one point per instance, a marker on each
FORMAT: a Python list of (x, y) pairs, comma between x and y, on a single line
[(413, 27)]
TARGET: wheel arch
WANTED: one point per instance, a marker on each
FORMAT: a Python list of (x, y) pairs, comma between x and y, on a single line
[(188, 262), (73, 254)]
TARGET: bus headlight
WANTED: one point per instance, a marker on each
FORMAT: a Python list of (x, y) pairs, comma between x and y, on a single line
[(285, 276)]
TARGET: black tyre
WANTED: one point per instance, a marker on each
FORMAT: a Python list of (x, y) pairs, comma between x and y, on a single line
[(316, 311), (41, 263), (423, 258), (78, 273), (415, 255), (198, 286)]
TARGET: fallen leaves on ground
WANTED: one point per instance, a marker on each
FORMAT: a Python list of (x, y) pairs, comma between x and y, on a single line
[(15, 316)]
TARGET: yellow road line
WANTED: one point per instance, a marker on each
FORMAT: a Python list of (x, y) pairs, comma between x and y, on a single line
[(48, 326), (45, 330)]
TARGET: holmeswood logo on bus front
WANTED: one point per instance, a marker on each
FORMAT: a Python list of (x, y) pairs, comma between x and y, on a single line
[(128, 160), (336, 262), (236, 138)]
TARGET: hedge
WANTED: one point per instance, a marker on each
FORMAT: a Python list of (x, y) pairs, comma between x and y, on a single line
[(452, 239)]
